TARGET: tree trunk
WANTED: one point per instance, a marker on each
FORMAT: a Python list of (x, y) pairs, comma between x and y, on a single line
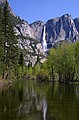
[(3, 75)]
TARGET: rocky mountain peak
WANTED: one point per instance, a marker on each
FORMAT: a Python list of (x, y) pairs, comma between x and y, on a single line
[(38, 23), (66, 15), (62, 28)]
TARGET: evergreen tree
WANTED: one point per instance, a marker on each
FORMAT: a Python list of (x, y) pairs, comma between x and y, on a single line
[(10, 42), (1, 40), (1, 36)]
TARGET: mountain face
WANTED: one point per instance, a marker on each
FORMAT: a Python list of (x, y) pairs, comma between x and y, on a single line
[(32, 50), (62, 28), (57, 29), (37, 29), (31, 30)]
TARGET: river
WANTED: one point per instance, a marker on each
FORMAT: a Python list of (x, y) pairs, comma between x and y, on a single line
[(29, 100)]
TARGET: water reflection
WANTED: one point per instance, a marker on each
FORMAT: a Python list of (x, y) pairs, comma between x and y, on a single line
[(63, 103), (44, 108), (28, 100)]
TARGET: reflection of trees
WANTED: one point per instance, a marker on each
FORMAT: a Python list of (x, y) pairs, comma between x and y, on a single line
[(22, 102), (62, 103), (77, 91), (8, 105)]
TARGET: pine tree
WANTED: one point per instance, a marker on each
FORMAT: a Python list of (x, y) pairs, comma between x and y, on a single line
[(1, 40), (10, 42), (1, 35)]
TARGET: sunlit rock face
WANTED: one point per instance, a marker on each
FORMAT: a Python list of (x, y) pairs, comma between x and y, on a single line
[(33, 30), (25, 29), (32, 50), (37, 29), (54, 30), (61, 28)]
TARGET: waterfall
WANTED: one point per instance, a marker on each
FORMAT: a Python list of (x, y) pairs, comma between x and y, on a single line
[(44, 43)]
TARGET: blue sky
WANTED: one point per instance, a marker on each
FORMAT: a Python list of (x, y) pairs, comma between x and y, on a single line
[(32, 10)]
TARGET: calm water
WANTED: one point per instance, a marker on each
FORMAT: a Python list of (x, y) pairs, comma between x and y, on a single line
[(28, 100)]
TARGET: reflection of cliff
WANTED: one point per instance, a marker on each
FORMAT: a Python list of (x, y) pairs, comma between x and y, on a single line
[(33, 104)]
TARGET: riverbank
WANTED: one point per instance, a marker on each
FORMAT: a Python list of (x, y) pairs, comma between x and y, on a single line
[(8, 83), (4, 83)]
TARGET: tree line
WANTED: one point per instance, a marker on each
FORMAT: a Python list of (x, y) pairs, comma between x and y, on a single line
[(63, 62)]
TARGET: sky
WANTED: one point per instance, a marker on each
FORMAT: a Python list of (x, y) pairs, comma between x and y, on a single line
[(33, 10)]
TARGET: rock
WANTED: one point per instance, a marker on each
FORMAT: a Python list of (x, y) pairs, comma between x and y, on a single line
[(37, 29), (61, 28), (40, 49), (24, 29), (32, 49), (76, 21)]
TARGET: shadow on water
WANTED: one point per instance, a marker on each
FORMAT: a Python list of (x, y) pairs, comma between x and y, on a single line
[(28, 100)]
